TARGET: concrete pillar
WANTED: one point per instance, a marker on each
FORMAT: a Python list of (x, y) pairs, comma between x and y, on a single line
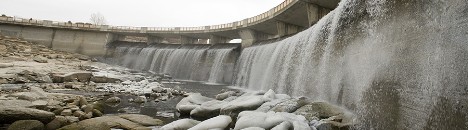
[(315, 13), (153, 39), (187, 40), (285, 29), (218, 39), (250, 36)]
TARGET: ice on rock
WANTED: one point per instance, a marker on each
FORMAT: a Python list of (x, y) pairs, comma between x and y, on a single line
[(219, 122), (248, 101), (269, 120), (254, 128), (194, 100), (208, 109), (181, 124)]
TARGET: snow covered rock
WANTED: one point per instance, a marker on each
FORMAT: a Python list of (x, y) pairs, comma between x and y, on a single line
[(270, 120), (219, 123), (187, 104), (207, 110), (290, 105), (181, 124), (225, 95)]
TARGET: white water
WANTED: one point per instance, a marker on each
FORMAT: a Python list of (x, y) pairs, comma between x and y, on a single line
[(186, 62), (216, 71), (397, 64)]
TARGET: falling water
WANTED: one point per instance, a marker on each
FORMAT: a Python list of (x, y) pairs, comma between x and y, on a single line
[(220, 55), (398, 64), (187, 62)]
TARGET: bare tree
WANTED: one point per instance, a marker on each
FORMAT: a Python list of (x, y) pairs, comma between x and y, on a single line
[(98, 19)]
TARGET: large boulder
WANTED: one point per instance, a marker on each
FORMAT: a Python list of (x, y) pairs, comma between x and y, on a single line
[(207, 110), (26, 125), (269, 120), (142, 119), (225, 95), (182, 124), (187, 104), (219, 123), (290, 105), (105, 122), (12, 114), (58, 122), (242, 103), (321, 110), (16, 103)]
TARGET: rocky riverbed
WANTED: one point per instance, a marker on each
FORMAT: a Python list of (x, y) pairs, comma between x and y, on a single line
[(46, 89)]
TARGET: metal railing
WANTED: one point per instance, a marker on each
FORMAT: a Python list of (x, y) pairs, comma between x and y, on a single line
[(87, 26)]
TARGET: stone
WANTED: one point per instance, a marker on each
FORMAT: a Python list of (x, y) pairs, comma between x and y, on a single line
[(105, 122), (40, 59), (72, 119), (142, 119), (207, 110), (159, 90), (26, 125), (87, 108), (82, 100), (35, 94), (225, 95), (66, 112), (78, 113), (77, 76), (321, 110), (16, 103), (97, 113), (88, 115), (39, 103), (76, 126), (187, 104), (58, 122), (57, 110), (330, 125), (289, 105), (104, 79), (82, 57), (140, 99), (182, 124), (12, 114), (113, 100), (220, 122), (5, 65), (3, 49)]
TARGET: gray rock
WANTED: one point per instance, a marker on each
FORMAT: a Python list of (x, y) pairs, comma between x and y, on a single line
[(40, 59), (78, 113), (87, 108), (26, 125), (225, 95), (104, 79), (103, 123), (5, 65), (66, 112), (187, 104), (140, 99), (70, 77), (142, 119), (58, 122), (207, 110), (12, 114), (113, 100), (72, 119), (321, 110), (97, 113), (39, 103), (182, 124), (289, 105), (16, 103)]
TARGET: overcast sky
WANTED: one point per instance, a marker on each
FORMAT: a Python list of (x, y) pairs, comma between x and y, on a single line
[(159, 13)]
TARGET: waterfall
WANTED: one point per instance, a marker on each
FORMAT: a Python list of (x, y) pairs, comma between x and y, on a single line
[(396, 64), (220, 55), (187, 62)]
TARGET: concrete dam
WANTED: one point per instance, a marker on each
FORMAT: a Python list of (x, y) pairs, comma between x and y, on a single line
[(397, 64)]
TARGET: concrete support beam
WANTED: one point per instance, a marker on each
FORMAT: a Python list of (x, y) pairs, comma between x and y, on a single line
[(218, 39), (315, 13), (153, 39), (250, 36), (285, 29), (188, 40)]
